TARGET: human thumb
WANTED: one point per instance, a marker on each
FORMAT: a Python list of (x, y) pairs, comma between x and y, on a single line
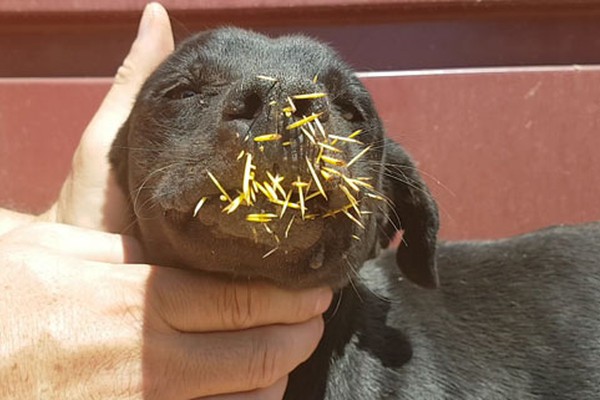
[(89, 197)]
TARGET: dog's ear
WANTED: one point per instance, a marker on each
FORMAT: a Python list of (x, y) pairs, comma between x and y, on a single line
[(414, 211), (118, 157)]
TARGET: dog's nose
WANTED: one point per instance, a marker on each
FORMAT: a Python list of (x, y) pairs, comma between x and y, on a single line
[(243, 104), (275, 99), (282, 125)]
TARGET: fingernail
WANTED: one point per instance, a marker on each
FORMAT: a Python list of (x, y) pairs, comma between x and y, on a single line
[(146, 21)]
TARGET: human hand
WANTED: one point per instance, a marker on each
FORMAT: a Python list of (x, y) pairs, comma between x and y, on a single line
[(77, 322), (90, 196)]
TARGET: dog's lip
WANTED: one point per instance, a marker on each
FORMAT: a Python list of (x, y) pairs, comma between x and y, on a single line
[(309, 261), (289, 232)]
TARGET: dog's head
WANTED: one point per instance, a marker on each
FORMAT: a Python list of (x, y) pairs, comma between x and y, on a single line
[(265, 158)]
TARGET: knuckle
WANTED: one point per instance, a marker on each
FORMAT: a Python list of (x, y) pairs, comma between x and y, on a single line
[(125, 72), (239, 306), (162, 310), (266, 364)]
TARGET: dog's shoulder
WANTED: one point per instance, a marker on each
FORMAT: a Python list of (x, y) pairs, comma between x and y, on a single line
[(563, 250), (524, 307)]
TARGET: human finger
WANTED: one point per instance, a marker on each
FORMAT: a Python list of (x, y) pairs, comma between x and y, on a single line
[(189, 301), (80, 243), (228, 362), (90, 196), (154, 42)]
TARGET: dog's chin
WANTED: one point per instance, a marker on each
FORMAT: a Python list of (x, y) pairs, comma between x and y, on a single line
[(305, 254)]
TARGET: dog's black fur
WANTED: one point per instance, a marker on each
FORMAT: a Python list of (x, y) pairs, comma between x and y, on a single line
[(513, 319)]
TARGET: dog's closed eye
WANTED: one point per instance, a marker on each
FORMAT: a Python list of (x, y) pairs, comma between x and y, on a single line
[(182, 93)]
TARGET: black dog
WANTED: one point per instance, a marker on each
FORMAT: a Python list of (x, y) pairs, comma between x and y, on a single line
[(265, 159)]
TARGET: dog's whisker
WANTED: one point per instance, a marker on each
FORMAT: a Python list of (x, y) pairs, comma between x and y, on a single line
[(336, 308), (148, 205), (129, 225), (142, 186), (403, 179), (351, 275)]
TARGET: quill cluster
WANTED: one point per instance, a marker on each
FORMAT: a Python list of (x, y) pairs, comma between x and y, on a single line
[(294, 195)]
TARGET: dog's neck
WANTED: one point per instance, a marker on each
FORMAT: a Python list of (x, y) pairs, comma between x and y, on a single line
[(355, 326)]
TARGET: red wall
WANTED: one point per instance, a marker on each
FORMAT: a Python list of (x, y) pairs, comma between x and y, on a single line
[(505, 150)]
